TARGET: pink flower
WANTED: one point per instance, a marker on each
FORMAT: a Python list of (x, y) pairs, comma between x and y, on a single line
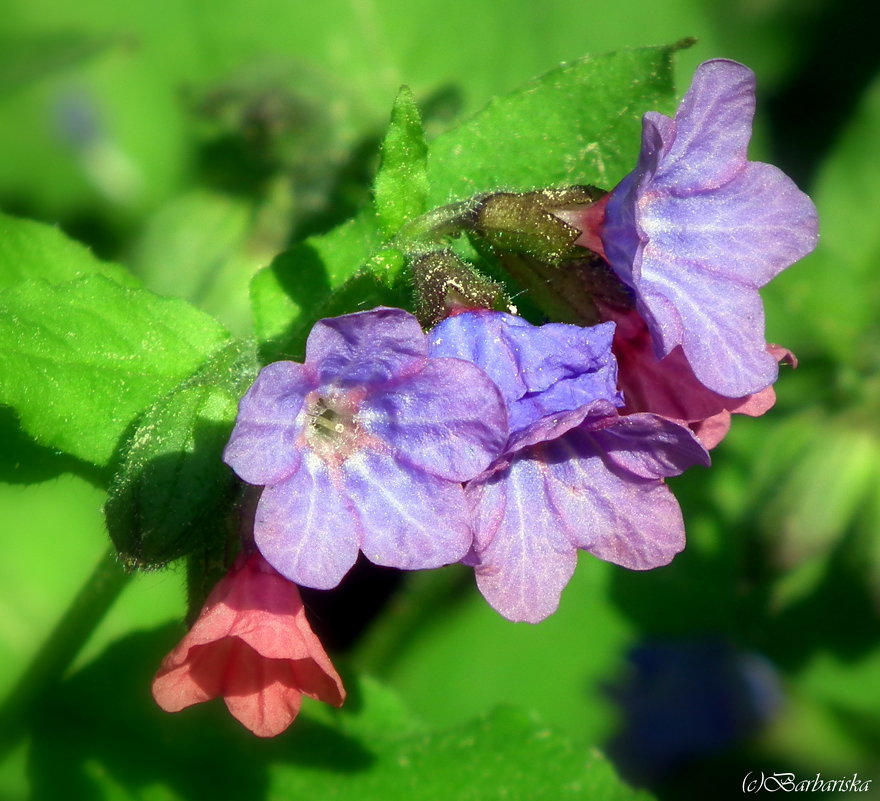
[(668, 386), (253, 646)]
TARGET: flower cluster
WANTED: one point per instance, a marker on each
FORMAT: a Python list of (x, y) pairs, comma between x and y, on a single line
[(492, 441), (574, 472), (502, 444)]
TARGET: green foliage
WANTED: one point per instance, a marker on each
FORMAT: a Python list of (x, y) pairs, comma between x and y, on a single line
[(61, 518), (579, 124), (30, 250), (371, 750), (505, 754), (833, 479), (401, 187), (838, 287), (314, 279), (80, 360), (199, 143), (127, 87), (555, 668), (204, 246), (171, 493)]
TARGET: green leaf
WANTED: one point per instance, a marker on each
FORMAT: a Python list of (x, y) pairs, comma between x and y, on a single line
[(172, 491), (578, 124), (312, 280), (401, 186), (33, 250), (370, 750), (506, 754), (79, 361)]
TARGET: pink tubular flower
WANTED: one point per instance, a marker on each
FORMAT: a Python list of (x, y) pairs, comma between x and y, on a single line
[(253, 646), (668, 386)]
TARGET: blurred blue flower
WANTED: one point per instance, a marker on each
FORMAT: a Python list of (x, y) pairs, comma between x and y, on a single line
[(686, 699)]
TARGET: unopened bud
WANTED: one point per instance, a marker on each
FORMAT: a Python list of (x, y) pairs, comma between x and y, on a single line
[(445, 285), (534, 223)]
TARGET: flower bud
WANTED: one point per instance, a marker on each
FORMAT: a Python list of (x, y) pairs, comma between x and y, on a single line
[(445, 285), (532, 223)]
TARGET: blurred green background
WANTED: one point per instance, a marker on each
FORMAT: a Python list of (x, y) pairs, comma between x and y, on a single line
[(192, 141)]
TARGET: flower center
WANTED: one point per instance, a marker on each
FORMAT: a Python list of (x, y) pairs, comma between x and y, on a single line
[(332, 430)]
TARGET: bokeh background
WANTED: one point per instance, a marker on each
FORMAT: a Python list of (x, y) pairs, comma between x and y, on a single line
[(192, 141)]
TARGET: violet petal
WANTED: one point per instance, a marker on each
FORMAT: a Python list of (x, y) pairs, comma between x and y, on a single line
[(410, 519), (306, 528), (540, 370), (713, 126), (610, 512), (695, 229), (747, 231), (719, 325), (263, 446), (646, 445), (525, 561), (366, 347), (448, 419)]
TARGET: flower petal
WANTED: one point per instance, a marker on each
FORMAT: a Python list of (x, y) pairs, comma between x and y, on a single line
[(747, 231), (695, 230), (306, 529), (646, 445), (621, 233), (366, 347), (261, 696), (612, 513), (263, 446), (524, 560), (548, 428), (253, 645), (718, 323), (713, 126), (448, 419), (540, 370), (668, 386), (410, 519)]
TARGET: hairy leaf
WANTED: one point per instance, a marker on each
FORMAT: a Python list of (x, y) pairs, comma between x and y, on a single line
[(80, 360)]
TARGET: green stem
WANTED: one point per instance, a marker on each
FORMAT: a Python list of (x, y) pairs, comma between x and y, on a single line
[(424, 233), (59, 650)]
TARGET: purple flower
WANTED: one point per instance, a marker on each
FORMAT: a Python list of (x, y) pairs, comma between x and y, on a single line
[(696, 229), (365, 447), (574, 473)]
